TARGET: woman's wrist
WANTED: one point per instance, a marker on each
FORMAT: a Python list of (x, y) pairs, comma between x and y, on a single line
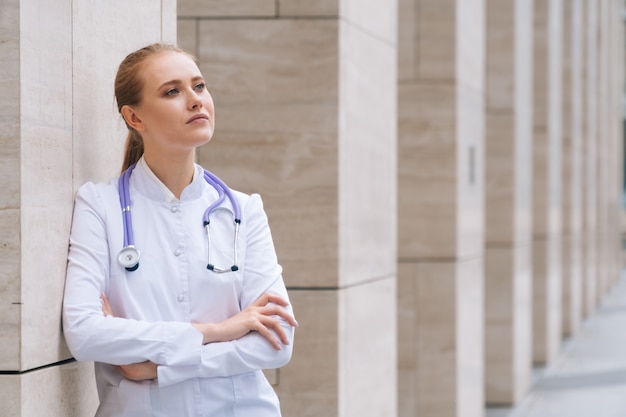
[(208, 331)]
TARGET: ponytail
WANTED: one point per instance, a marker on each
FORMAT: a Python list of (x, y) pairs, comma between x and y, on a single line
[(128, 89), (133, 150)]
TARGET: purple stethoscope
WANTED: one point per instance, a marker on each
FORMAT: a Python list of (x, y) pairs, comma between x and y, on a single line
[(129, 255)]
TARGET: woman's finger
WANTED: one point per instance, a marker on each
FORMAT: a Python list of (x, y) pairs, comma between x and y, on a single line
[(274, 324), (267, 297), (278, 311), (264, 331)]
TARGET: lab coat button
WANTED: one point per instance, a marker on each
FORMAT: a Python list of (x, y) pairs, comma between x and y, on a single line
[(178, 252), (174, 209), (181, 298)]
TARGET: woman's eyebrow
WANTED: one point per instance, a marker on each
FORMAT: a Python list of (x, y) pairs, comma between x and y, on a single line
[(177, 82)]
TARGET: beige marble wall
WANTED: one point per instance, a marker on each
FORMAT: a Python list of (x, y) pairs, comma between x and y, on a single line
[(10, 201), (508, 203), (440, 235), (59, 128), (65, 390), (547, 189), (306, 105), (571, 173)]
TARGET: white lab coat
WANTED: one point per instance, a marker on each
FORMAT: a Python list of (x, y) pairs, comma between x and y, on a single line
[(172, 288)]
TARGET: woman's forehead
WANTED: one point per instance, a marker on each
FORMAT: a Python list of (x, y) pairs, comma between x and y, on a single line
[(169, 65)]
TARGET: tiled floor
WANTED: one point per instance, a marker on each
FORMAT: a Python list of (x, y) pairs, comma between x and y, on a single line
[(588, 379)]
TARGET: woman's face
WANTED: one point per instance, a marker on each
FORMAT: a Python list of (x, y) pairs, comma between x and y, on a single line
[(176, 111)]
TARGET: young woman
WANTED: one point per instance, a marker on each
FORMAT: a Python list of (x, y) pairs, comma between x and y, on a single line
[(173, 286)]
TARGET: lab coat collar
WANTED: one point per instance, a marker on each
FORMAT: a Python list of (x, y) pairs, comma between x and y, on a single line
[(149, 185)]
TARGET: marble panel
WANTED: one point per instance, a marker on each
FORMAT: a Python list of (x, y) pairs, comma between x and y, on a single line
[(270, 61), (45, 232), (306, 8), (187, 38), (168, 21), (470, 152), (449, 302), (500, 178), (275, 85), (501, 35), (368, 390), (379, 18), (407, 322), (541, 51), (367, 157), (572, 285), (227, 8), (546, 302), (10, 105), (508, 328), (309, 384), (541, 161), (427, 171), (45, 392), (470, 333), (99, 132), (407, 40), (46, 183), (10, 395), (10, 242), (10, 290), (437, 40), (471, 31)]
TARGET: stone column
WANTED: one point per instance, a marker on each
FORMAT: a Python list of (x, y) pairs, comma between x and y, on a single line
[(508, 203), (572, 166), (306, 99), (58, 129), (546, 185), (441, 186), (590, 114)]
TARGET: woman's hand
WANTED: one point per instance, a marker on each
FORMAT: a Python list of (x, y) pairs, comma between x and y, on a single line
[(257, 317), (134, 371), (138, 371)]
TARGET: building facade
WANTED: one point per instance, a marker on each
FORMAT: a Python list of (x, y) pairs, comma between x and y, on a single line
[(443, 180)]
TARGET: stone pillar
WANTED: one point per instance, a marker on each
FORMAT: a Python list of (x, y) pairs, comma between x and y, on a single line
[(508, 202), (58, 129), (617, 127), (306, 105), (590, 114), (572, 166), (441, 186), (546, 185)]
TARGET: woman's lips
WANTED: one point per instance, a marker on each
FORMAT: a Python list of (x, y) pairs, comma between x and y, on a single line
[(198, 117)]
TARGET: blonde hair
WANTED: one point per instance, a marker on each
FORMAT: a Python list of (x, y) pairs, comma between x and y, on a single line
[(128, 91)]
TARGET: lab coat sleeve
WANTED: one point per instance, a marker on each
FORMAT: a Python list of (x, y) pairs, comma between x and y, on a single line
[(92, 337), (252, 351)]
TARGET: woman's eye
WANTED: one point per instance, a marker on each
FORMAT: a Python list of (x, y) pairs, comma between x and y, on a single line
[(200, 87), (171, 92)]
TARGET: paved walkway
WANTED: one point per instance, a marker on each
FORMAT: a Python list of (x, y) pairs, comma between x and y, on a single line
[(588, 379)]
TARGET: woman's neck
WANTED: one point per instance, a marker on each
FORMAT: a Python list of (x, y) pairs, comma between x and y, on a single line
[(175, 173)]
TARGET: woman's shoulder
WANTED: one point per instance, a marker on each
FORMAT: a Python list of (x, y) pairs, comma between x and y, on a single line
[(91, 190)]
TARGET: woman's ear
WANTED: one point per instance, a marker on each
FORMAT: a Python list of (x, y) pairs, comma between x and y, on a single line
[(132, 118)]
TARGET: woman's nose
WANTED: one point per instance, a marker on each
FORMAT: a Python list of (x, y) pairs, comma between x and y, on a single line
[(195, 101)]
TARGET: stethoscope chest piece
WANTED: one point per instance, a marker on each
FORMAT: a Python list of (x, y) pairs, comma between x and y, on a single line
[(129, 258)]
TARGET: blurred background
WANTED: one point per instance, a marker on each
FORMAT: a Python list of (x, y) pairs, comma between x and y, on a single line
[(444, 181)]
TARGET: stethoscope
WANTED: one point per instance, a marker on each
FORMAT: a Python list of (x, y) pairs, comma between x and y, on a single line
[(129, 255)]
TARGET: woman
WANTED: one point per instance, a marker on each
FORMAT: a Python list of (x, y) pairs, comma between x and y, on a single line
[(176, 333)]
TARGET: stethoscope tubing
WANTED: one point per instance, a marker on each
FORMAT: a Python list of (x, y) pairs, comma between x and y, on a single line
[(129, 242)]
